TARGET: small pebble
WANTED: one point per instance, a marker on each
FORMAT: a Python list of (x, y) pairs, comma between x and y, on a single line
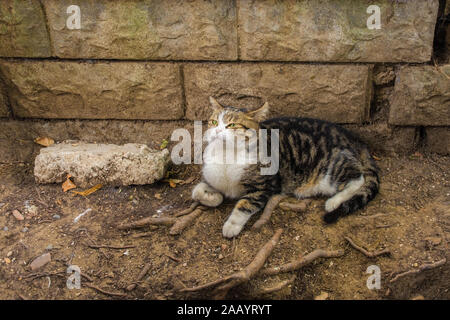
[(56, 216), (41, 261), (49, 247), (9, 254), (7, 260), (220, 256), (25, 229), (17, 215), (224, 247), (5, 229)]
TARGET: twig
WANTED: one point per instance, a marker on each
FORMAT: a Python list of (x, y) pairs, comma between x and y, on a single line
[(140, 277), (269, 208), (184, 221), (167, 221), (115, 294), (365, 252), (244, 275), (86, 276), (297, 264), (34, 276), (422, 268), (193, 206), (377, 215), (21, 296), (97, 246), (172, 257), (142, 235)]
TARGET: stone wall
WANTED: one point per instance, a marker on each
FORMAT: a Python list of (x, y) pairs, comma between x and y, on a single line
[(134, 70)]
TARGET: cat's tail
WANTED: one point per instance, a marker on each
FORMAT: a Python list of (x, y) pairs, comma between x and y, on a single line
[(358, 194)]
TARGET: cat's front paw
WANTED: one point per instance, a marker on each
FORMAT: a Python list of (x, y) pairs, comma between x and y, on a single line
[(233, 226), (231, 229), (206, 196)]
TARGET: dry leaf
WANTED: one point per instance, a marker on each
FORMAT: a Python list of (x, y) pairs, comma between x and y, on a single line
[(44, 141), (376, 158), (164, 144), (188, 180), (68, 184), (173, 182), (89, 191)]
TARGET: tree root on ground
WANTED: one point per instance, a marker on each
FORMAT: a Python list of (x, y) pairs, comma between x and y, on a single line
[(365, 252), (301, 262), (178, 224), (223, 285), (141, 275), (424, 267), (268, 209)]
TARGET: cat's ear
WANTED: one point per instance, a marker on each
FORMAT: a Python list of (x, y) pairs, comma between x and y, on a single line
[(215, 105), (259, 114)]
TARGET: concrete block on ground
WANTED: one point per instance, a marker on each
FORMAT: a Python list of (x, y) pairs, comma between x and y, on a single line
[(91, 164)]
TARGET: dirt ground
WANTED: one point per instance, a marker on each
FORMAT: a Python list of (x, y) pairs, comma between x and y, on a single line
[(410, 217)]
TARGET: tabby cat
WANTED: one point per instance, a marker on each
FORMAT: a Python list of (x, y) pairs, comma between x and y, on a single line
[(315, 158)]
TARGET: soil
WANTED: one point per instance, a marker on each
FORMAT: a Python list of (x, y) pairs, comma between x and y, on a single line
[(410, 217)]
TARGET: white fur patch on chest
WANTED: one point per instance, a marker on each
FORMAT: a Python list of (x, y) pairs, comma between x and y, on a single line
[(222, 176), (225, 178)]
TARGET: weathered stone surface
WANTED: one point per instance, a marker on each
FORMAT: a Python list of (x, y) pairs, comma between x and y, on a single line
[(4, 112), (91, 164), (336, 30), (340, 93), (23, 32), (116, 90), (437, 139), (421, 96), (384, 139), (145, 29), (17, 137)]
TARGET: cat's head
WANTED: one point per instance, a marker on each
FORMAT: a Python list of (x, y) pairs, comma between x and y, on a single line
[(226, 121)]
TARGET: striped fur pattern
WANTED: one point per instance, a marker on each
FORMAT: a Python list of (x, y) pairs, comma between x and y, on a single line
[(316, 158)]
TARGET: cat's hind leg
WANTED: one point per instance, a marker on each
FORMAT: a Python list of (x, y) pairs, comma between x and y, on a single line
[(206, 195), (346, 194), (247, 206)]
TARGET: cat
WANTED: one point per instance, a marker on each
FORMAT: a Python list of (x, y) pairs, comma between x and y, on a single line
[(316, 158)]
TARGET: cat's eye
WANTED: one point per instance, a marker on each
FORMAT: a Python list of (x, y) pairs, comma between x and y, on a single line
[(214, 122), (231, 125)]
